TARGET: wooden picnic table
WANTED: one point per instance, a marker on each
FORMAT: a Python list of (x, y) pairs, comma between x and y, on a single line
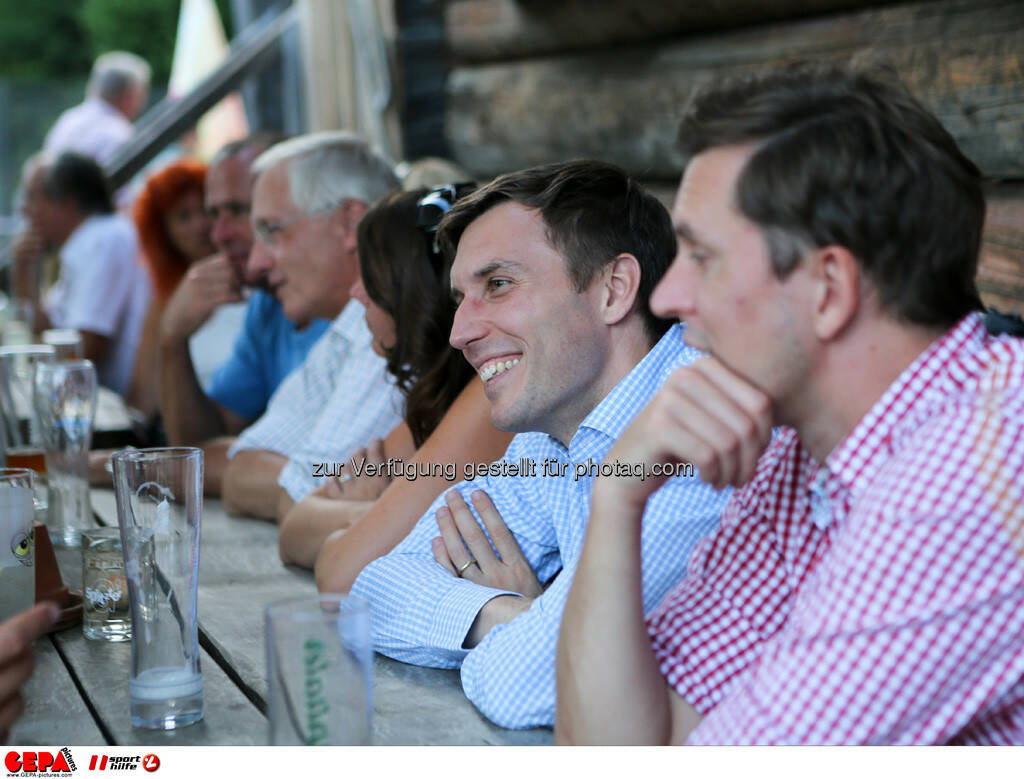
[(79, 692)]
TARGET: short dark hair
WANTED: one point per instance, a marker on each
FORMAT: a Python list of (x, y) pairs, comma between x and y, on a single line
[(73, 176), (847, 156), (593, 211), (403, 276)]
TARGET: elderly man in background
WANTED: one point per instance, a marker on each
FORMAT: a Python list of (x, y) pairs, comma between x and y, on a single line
[(309, 196), (115, 95), (102, 290), (267, 346)]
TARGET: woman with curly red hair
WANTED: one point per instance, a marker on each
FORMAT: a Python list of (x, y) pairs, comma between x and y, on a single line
[(174, 232)]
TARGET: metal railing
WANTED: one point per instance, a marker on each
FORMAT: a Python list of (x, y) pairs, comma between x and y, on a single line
[(251, 50)]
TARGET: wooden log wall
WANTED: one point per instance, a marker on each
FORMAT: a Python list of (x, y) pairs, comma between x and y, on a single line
[(490, 30), (536, 81), (1001, 271)]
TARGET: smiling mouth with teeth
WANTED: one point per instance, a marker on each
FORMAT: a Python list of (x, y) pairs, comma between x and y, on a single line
[(495, 368)]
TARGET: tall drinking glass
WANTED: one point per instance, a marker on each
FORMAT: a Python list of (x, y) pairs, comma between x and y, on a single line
[(159, 498), (65, 402), (22, 438), (320, 669), (17, 544)]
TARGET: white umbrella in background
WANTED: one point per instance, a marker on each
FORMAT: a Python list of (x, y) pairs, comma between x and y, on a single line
[(200, 47)]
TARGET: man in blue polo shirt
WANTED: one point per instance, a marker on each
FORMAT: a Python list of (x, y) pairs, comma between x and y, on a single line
[(268, 346)]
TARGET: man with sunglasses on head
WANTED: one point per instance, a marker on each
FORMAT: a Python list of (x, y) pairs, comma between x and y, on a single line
[(552, 270), (309, 195), (210, 301)]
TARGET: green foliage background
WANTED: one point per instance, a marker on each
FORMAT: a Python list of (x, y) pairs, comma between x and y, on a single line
[(42, 40), (46, 51), (48, 40)]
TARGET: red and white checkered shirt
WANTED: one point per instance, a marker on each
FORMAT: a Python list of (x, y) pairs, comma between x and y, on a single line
[(878, 598)]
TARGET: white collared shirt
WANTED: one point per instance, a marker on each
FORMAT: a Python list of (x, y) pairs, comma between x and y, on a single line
[(332, 405), (93, 128), (103, 289)]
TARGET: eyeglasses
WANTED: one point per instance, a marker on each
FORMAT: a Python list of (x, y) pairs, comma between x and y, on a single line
[(265, 231)]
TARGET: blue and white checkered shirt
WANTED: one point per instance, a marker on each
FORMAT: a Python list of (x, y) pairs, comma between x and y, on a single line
[(330, 406), (421, 613)]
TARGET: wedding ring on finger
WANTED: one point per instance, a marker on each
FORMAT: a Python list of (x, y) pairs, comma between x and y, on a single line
[(464, 566)]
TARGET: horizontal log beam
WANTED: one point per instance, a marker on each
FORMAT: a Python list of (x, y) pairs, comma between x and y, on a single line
[(963, 58), (491, 30), (1001, 263), (1001, 271)]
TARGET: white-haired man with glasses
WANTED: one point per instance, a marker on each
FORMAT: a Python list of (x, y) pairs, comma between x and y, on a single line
[(309, 195), (209, 409)]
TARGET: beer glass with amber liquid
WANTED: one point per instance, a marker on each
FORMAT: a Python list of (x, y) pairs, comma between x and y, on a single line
[(21, 432)]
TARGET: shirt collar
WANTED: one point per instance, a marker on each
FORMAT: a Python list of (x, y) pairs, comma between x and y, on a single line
[(860, 456), (618, 408), (350, 325)]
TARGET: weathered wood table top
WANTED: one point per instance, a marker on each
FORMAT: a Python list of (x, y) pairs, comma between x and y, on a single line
[(79, 692)]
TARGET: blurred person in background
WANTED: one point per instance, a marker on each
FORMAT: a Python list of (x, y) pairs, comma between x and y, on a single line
[(102, 290), (117, 92), (174, 228), (409, 310), (174, 233)]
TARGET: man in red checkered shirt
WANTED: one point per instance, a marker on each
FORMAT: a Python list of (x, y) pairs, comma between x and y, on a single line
[(867, 582)]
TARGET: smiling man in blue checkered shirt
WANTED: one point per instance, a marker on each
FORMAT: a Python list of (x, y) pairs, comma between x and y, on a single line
[(553, 269)]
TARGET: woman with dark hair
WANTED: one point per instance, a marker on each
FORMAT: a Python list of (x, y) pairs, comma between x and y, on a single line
[(409, 304), (409, 311)]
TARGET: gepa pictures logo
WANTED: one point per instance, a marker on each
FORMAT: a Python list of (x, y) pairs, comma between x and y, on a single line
[(39, 762)]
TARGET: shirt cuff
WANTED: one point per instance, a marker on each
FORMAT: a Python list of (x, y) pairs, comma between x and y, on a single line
[(456, 611), (240, 445), (253, 437), (293, 480)]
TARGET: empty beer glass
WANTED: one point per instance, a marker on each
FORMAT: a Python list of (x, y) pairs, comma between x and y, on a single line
[(65, 404), (159, 501)]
